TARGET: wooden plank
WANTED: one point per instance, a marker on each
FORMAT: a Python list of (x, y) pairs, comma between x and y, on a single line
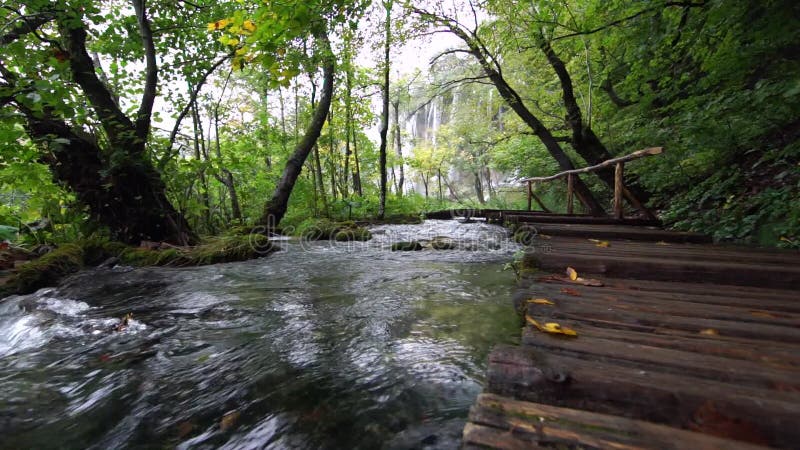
[(644, 322), (622, 232), (520, 217), (768, 353), (661, 269), (599, 298), (673, 250), (570, 192), (618, 187), (553, 426), (739, 412), (703, 294), (649, 358), (530, 195)]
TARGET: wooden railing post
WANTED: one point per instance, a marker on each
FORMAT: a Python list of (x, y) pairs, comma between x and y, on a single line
[(570, 192), (530, 194), (618, 189)]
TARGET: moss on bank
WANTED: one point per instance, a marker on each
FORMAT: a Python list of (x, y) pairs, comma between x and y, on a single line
[(70, 258)]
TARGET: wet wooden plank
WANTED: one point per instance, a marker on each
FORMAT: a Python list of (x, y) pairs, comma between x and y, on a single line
[(577, 219), (643, 303), (616, 231), (667, 360), (534, 424), (746, 413), (648, 322), (672, 250), (666, 292), (665, 269), (768, 353)]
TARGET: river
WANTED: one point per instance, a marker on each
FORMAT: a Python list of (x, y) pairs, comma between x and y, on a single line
[(320, 345)]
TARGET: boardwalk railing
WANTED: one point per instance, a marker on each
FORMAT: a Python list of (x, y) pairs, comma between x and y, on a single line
[(619, 185)]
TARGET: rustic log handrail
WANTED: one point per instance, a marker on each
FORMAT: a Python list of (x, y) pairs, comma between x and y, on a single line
[(635, 155), (620, 191)]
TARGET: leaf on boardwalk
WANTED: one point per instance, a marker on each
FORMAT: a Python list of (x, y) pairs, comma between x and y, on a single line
[(710, 332), (571, 292), (533, 322), (555, 328), (572, 273), (599, 243), (661, 243), (540, 301), (551, 327)]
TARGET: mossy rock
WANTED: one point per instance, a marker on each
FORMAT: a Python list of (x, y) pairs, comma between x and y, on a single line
[(353, 234), (443, 243), (47, 270), (406, 246)]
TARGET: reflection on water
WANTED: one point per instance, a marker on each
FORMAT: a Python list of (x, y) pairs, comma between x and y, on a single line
[(322, 345)]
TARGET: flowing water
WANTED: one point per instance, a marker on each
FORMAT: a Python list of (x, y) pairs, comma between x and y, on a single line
[(320, 345)]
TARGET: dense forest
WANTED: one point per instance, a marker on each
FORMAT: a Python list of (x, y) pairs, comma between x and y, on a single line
[(176, 120)]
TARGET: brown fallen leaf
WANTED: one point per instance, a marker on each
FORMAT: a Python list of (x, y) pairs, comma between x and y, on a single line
[(661, 243), (540, 301), (228, 421), (572, 273), (571, 292), (710, 332)]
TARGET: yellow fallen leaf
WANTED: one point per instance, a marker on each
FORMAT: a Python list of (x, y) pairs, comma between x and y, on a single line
[(710, 332), (572, 273), (661, 243), (540, 301), (533, 322), (555, 328), (602, 244)]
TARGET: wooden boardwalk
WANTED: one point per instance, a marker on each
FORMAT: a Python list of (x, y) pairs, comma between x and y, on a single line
[(680, 344)]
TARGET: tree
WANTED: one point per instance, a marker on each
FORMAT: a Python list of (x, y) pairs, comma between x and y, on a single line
[(108, 169), (385, 67), (493, 72)]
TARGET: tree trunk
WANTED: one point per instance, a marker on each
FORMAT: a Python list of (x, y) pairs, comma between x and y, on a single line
[(228, 181), (479, 187), (128, 195), (385, 107), (129, 198), (357, 171), (398, 146), (276, 207), (584, 139)]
